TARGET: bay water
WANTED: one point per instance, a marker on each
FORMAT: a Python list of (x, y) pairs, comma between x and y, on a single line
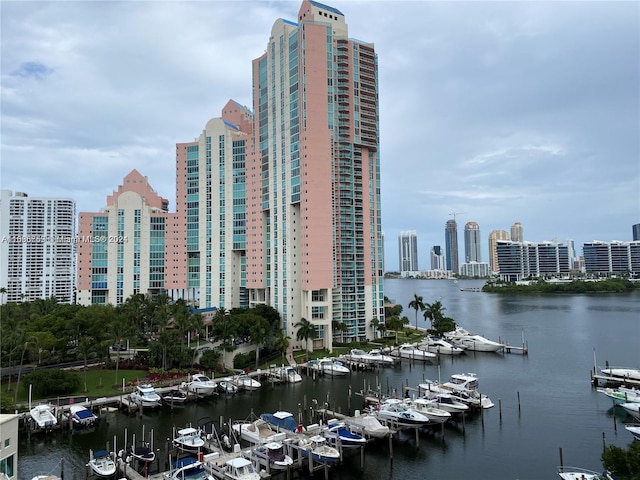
[(544, 400)]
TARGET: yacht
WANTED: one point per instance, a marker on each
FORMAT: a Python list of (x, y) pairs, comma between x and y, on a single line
[(201, 385), (396, 412), (412, 352), (146, 396), (477, 343), (330, 366), (441, 346), (430, 409)]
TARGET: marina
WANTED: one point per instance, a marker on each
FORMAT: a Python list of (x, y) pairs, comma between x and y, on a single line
[(543, 400)]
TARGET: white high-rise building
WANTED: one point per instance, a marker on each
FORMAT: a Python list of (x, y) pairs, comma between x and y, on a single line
[(37, 247), (408, 251), (472, 251)]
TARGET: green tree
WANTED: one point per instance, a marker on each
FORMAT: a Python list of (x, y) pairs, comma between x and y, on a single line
[(624, 464), (306, 331), (259, 331), (375, 325), (417, 304), (394, 323), (433, 311)]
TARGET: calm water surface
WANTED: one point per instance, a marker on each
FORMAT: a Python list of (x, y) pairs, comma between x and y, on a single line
[(558, 407)]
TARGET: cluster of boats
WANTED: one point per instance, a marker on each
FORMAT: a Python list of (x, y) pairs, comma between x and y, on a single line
[(629, 400), (45, 417)]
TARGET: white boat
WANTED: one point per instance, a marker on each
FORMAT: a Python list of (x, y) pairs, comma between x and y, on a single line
[(245, 382), (338, 433), (329, 366), (274, 453), (429, 409), (201, 385), (102, 464), (316, 448), (227, 387), (621, 395), (188, 468), (82, 417), (43, 416), (576, 473), (189, 440), (396, 412), (282, 420), (287, 374), (633, 429), (412, 352), (622, 373), (444, 399), (146, 396), (633, 408), (477, 343), (175, 397), (258, 431), (240, 468), (367, 425), (465, 387), (141, 452), (441, 346), (380, 358)]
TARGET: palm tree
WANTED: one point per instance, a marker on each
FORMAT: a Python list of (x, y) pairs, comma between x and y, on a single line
[(306, 331), (433, 311), (258, 331), (339, 327), (3, 292), (418, 304), (85, 347), (375, 324), (28, 343), (394, 323)]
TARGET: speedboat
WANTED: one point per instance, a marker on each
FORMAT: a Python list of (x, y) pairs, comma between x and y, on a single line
[(240, 468), (576, 473), (621, 395), (102, 464), (287, 374), (189, 440), (316, 448), (441, 346), (381, 359), (622, 373), (140, 452), (396, 412), (201, 385), (226, 386), (82, 417), (43, 416), (329, 366), (175, 397), (474, 342), (368, 425), (337, 433), (444, 399), (429, 409), (274, 453), (633, 429), (282, 420), (146, 396), (188, 468), (258, 431), (633, 408), (411, 352), (245, 382)]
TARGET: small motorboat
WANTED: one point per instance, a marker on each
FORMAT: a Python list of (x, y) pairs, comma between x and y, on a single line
[(430, 409), (141, 452), (411, 352), (175, 397), (102, 464), (227, 387), (274, 453), (259, 431), (329, 366), (145, 396), (576, 473), (633, 429), (316, 448), (189, 440), (188, 468), (82, 417), (287, 374), (632, 408), (622, 373), (282, 420), (245, 382), (396, 412), (368, 426), (43, 417), (240, 468), (621, 395), (379, 358), (338, 433)]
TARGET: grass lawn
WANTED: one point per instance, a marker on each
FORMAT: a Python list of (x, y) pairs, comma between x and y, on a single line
[(100, 383)]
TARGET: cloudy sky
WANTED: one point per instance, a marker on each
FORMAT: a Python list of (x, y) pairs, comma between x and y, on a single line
[(499, 111)]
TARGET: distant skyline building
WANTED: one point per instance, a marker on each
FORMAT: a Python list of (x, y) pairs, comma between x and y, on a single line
[(451, 245), (520, 260), (474, 269), (494, 236), (517, 232), (612, 257), (37, 251), (636, 232), (127, 251), (437, 258), (408, 251), (472, 243)]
